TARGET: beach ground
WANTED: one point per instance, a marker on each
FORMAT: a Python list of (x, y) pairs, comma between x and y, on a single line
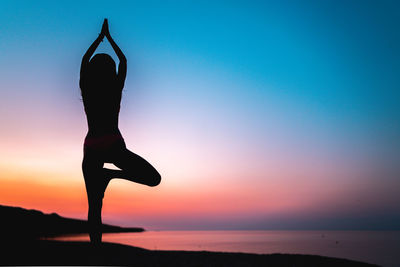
[(45, 252)]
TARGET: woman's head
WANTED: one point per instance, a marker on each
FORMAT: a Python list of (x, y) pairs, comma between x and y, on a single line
[(102, 66)]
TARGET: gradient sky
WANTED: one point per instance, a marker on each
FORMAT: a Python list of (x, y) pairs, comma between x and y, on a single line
[(257, 114)]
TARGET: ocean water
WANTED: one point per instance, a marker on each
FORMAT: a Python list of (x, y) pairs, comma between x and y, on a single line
[(378, 247)]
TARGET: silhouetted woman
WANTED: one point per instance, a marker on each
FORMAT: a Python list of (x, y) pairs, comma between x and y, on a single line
[(101, 88)]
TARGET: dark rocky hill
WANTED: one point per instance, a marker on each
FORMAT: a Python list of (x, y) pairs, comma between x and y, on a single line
[(19, 223)]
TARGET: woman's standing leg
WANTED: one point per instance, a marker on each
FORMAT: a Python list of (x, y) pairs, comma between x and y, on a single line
[(96, 183)]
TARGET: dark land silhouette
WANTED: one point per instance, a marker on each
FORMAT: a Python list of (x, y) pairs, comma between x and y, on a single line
[(101, 86), (19, 223), (83, 253)]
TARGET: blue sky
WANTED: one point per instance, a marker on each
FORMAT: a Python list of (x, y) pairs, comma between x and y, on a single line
[(261, 89)]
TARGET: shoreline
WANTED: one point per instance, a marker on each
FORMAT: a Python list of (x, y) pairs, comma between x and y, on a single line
[(50, 252)]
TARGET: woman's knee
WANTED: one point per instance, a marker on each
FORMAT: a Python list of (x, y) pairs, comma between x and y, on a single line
[(155, 180)]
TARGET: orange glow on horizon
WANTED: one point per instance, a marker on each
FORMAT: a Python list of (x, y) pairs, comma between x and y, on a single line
[(209, 192)]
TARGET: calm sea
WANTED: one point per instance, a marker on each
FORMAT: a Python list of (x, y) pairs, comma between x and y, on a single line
[(378, 247)]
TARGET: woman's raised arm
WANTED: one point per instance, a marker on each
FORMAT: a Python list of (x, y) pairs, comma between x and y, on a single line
[(122, 59), (89, 53)]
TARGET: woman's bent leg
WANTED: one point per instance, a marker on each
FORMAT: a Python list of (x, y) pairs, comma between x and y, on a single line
[(135, 168)]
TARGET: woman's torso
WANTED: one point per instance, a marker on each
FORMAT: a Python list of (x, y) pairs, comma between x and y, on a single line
[(101, 100)]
